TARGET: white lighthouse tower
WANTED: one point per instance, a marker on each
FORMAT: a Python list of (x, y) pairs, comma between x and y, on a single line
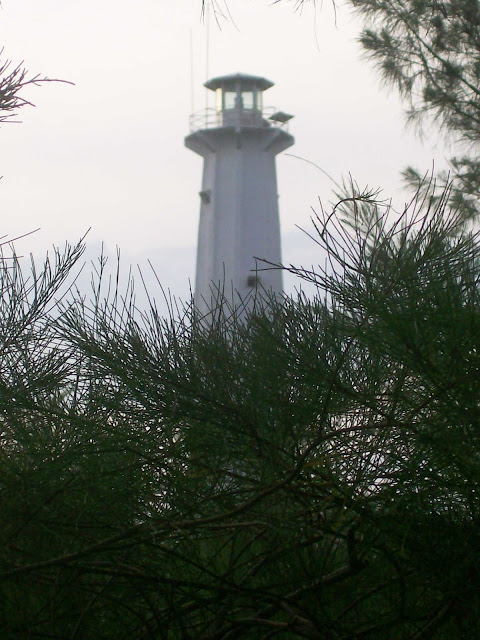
[(239, 221)]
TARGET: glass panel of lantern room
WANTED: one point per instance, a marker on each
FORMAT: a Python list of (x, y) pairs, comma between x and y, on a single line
[(229, 99), (218, 99), (247, 100), (259, 100)]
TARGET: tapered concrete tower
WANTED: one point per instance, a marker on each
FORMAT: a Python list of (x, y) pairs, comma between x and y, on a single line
[(239, 219)]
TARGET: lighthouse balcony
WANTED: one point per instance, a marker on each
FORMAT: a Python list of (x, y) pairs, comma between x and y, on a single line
[(238, 119)]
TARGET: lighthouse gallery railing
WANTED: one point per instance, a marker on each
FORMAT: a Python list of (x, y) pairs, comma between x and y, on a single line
[(211, 119)]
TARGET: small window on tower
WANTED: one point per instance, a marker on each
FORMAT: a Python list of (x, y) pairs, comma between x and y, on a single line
[(252, 281), (205, 196)]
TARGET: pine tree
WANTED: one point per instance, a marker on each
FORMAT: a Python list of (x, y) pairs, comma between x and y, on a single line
[(310, 473), (430, 51)]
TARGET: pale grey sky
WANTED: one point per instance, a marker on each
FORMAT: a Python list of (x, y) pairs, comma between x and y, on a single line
[(107, 153)]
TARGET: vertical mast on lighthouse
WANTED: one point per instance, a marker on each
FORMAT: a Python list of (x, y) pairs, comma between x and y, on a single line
[(239, 219)]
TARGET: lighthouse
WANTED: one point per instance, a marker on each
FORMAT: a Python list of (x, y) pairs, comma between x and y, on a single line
[(239, 220)]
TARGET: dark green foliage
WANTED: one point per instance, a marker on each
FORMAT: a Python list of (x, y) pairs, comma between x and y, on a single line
[(430, 51), (310, 473)]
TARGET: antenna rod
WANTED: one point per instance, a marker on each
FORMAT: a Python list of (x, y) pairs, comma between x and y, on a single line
[(192, 88), (207, 50)]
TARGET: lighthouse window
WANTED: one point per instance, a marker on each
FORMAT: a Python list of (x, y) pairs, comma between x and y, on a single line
[(218, 99), (259, 100), (247, 99), (229, 99)]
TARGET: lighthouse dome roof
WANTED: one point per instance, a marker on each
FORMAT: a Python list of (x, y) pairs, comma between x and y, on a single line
[(233, 78)]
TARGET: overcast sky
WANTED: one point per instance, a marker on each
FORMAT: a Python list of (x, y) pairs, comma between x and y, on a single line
[(107, 153)]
